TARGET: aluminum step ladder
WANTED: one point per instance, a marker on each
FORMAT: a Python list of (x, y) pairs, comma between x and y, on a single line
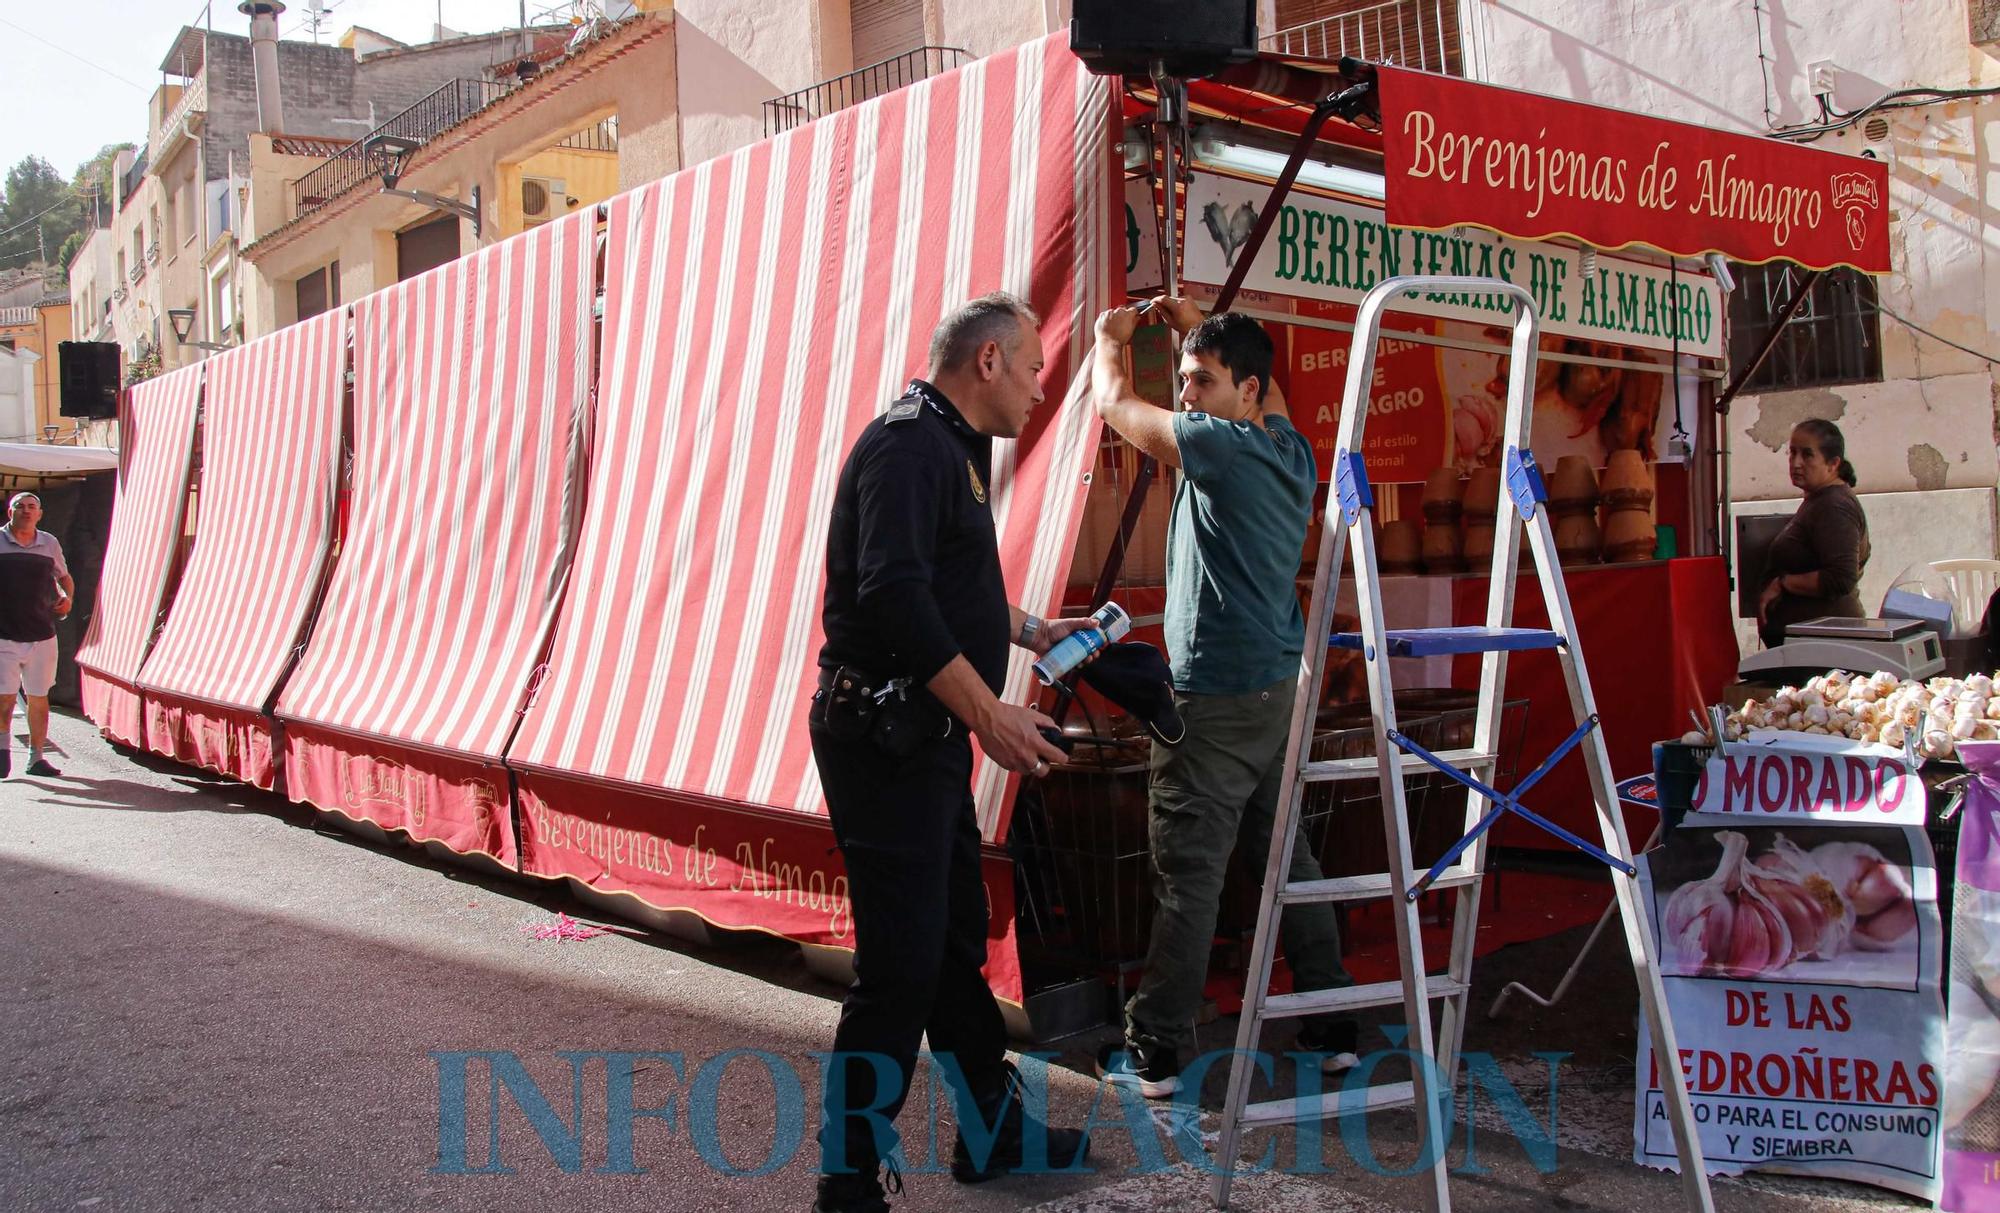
[(1348, 511)]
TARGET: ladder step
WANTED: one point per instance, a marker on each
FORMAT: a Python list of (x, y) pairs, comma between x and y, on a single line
[(1438, 642), (1353, 998), (1365, 888), (1330, 1104), (1337, 769)]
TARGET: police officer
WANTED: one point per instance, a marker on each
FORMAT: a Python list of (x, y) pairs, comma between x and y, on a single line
[(917, 625)]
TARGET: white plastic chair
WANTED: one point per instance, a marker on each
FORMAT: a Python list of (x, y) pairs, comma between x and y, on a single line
[(1972, 584)]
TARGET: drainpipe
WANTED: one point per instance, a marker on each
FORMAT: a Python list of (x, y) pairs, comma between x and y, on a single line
[(263, 16)]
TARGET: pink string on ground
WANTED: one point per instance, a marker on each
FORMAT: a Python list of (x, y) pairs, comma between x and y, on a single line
[(565, 930)]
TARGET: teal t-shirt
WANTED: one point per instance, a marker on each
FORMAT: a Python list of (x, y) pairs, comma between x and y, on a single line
[(1233, 550)]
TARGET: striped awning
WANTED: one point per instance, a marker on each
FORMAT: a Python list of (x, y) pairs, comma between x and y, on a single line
[(156, 432), (270, 469), (470, 383), (760, 309)]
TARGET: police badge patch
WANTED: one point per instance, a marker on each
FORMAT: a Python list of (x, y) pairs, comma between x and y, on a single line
[(978, 489)]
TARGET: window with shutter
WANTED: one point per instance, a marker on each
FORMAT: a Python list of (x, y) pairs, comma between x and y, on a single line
[(884, 29)]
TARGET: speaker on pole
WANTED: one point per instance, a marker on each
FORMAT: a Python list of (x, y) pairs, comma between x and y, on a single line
[(89, 371), (1191, 38)]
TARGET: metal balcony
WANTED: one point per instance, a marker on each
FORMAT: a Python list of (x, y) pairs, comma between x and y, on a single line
[(180, 122), (451, 104), (1421, 34), (796, 109)]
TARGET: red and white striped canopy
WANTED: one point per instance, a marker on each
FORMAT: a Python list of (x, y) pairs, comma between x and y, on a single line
[(156, 436), (270, 469), (759, 310), (470, 383)]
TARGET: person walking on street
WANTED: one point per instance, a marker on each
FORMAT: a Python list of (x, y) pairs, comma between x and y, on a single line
[(1235, 634), (917, 625), (35, 591)]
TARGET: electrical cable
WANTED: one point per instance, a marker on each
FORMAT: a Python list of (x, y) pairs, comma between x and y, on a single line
[(74, 196), (72, 54), (1899, 99), (1763, 62)]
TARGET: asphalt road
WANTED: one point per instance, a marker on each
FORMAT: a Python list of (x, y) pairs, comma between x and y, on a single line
[(213, 999)]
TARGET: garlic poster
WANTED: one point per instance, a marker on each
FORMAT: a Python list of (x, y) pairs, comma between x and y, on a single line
[(1801, 965)]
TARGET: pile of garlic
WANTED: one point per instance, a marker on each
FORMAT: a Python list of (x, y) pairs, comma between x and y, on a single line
[(1932, 716)]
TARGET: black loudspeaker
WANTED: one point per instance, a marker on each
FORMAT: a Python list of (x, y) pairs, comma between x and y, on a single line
[(1191, 38), (89, 378)]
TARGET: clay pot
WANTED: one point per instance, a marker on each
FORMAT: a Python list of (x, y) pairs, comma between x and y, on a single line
[(1479, 546), (1574, 485), (1628, 482), (1402, 547), (1444, 497), (1628, 535), (1578, 540), (1482, 495), (1444, 549)]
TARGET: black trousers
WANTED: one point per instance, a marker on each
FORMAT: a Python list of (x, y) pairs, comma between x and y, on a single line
[(907, 830)]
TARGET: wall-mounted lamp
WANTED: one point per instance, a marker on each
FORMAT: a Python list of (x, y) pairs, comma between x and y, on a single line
[(182, 320), (1587, 259), (391, 156), (1216, 147)]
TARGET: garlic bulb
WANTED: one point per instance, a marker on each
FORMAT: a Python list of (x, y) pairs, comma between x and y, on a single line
[(1723, 926), (1819, 918), (1884, 905)]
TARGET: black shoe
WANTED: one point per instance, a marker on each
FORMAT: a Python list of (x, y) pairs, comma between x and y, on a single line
[(860, 1192), (37, 766), (1062, 1148), (6, 760), (1154, 1069), (1337, 1042)]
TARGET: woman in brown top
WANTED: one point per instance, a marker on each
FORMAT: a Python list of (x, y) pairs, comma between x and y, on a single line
[(1815, 563)]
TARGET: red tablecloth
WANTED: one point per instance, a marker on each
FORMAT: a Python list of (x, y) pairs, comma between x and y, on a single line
[(1657, 640)]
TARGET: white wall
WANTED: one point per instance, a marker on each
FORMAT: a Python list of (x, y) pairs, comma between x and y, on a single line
[(17, 396), (1931, 424)]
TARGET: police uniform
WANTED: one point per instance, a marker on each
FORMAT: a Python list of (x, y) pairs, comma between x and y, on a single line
[(913, 581)]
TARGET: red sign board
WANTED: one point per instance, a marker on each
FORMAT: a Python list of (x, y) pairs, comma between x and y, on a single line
[(1538, 168)]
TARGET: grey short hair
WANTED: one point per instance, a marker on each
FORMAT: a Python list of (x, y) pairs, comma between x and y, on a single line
[(993, 317), (17, 498)]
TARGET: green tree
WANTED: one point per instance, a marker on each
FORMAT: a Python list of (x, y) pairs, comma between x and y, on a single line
[(38, 212), (93, 179)]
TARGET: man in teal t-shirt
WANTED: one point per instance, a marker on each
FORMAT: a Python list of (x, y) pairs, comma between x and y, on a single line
[(1234, 637)]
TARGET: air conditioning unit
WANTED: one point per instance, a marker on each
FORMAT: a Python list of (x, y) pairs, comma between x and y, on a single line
[(541, 199)]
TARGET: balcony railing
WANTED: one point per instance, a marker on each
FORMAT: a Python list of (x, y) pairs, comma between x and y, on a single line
[(451, 104), (11, 316), (193, 100), (796, 109), (1421, 34), (602, 137)]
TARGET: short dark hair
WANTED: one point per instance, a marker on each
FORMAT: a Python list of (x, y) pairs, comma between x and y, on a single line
[(994, 317), (1831, 442), (1239, 343)]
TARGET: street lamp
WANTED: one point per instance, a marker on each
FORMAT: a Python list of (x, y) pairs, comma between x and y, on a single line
[(182, 320), (392, 153)]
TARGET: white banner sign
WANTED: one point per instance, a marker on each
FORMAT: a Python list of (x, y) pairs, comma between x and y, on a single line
[(1794, 776), (1336, 251), (1802, 971)]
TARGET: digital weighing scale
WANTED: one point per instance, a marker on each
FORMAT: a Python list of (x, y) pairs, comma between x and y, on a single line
[(1907, 648)]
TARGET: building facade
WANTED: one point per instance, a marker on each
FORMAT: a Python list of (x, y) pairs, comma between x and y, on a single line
[(1904, 364), (36, 329)]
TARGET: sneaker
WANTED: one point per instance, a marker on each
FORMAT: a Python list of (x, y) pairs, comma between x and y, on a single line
[(1335, 1043), (6, 760), (1154, 1069), (36, 766)]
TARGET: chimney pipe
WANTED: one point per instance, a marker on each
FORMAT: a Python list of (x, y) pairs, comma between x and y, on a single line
[(263, 16)]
